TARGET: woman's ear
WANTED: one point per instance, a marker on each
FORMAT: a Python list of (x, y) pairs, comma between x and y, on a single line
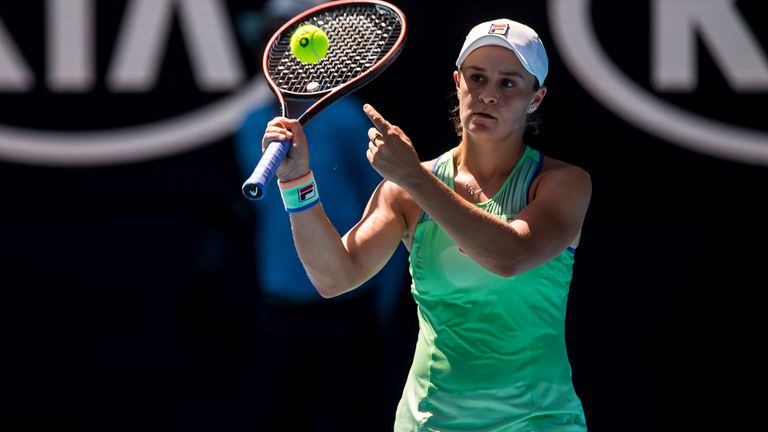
[(456, 79), (537, 98)]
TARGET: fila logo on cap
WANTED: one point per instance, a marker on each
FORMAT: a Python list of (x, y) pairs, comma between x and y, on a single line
[(499, 29)]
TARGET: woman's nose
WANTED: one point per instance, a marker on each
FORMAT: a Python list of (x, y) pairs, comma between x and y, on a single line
[(488, 97)]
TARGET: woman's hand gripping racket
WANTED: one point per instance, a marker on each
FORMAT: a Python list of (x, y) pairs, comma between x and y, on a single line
[(364, 38)]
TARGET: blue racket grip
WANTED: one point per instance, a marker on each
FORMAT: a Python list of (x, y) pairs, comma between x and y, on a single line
[(255, 188)]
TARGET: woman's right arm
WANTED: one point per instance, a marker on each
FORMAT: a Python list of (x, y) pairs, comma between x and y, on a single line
[(337, 264)]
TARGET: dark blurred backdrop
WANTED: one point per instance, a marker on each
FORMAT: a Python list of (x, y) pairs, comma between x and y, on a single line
[(126, 278)]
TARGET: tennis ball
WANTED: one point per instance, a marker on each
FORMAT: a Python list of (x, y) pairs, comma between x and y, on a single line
[(309, 44)]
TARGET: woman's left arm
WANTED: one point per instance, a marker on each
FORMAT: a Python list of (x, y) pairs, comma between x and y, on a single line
[(542, 230)]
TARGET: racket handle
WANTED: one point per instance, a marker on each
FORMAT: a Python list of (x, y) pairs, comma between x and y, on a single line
[(256, 186)]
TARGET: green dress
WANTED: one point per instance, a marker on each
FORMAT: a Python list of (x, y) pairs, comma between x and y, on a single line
[(491, 352)]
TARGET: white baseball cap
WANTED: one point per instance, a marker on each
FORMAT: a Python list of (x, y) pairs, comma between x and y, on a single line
[(519, 38)]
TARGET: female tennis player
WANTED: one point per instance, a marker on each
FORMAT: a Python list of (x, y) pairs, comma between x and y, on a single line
[(492, 226)]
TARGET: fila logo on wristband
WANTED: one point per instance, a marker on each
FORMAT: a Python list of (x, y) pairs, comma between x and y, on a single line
[(307, 192), (299, 194)]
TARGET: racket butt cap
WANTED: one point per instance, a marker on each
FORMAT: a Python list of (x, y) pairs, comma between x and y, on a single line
[(253, 192)]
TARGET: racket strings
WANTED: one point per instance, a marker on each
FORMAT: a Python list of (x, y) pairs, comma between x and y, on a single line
[(358, 38)]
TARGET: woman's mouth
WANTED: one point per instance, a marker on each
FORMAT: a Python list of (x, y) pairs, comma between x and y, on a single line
[(484, 115)]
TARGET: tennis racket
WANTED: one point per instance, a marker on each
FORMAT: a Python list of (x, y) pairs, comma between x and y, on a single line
[(364, 38)]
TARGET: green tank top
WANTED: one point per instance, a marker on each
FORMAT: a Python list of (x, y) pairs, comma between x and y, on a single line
[(491, 352)]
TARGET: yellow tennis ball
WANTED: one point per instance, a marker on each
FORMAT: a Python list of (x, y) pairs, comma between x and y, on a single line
[(309, 43)]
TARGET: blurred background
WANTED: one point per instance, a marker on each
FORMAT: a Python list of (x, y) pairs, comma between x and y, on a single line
[(128, 289)]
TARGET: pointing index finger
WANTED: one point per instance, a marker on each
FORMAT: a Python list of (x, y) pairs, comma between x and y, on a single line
[(378, 121)]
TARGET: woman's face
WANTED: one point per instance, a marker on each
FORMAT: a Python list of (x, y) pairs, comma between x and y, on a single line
[(495, 92)]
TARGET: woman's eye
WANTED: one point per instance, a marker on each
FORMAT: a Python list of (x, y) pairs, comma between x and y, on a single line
[(508, 84), (477, 78)]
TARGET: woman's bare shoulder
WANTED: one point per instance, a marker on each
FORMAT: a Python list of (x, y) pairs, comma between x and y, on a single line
[(558, 173)]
